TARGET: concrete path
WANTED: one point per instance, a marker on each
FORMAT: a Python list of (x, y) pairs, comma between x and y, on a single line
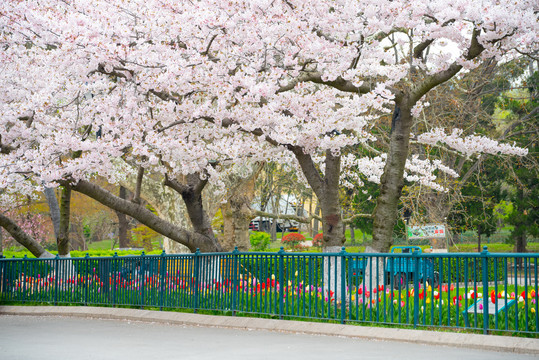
[(109, 333)]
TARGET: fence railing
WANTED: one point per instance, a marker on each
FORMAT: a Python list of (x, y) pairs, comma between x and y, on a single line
[(482, 291)]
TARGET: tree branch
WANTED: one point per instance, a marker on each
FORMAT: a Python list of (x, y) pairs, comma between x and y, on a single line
[(434, 80), (188, 238), (316, 77), (138, 185), (354, 217)]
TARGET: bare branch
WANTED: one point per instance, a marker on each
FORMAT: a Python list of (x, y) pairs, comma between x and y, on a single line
[(434, 80), (354, 217), (316, 77)]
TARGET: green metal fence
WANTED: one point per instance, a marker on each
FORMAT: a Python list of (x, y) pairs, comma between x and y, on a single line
[(483, 291)]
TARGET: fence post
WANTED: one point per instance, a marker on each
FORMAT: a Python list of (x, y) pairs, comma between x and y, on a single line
[(195, 278), (162, 279), (484, 269), (415, 256), (342, 256), (56, 273), (281, 281), (142, 278), (234, 279), (24, 277), (115, 271), (87, 258)]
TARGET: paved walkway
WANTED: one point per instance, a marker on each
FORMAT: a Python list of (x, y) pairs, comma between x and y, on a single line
[(108, 333)]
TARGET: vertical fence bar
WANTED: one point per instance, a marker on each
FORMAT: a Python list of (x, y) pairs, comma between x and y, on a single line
[(195, 279), (496, 292), (281, 282), (505, 277), (56, 276), (536, 297), (342, 257), (234, 279), (525, 264), (415, 256), (142, 276), (115, 271), (515, 269), (162, 279), (86, 281), (484, 258)]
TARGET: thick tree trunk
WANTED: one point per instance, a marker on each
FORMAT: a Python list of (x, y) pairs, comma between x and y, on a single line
[(188, 238), (54, 209), (236, 221), (199, 218), (273, 230), (332, 225), (65, 213), (521, 243), (22, 238), (191, 194), (352, 234), (123, 224), (391, 183), (237, 214), (327, 192)]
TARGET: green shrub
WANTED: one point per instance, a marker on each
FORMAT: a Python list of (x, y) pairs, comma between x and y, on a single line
[(259, 240)]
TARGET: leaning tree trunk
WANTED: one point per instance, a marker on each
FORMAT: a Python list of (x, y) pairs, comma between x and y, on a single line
[(24, 239), (190, 239)]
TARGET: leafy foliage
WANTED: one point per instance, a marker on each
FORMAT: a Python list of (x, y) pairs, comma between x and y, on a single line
[(259, 240)]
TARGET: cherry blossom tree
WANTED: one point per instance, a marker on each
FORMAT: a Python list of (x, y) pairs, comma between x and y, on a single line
[(183, 89)]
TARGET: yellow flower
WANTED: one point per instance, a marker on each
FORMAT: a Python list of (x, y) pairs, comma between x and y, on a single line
[(533, 310)]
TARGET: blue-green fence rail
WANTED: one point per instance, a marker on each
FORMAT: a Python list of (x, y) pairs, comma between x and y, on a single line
[(483, 291)]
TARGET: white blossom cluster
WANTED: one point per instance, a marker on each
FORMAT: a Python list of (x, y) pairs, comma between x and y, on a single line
[(178, 86), (468, 145)]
